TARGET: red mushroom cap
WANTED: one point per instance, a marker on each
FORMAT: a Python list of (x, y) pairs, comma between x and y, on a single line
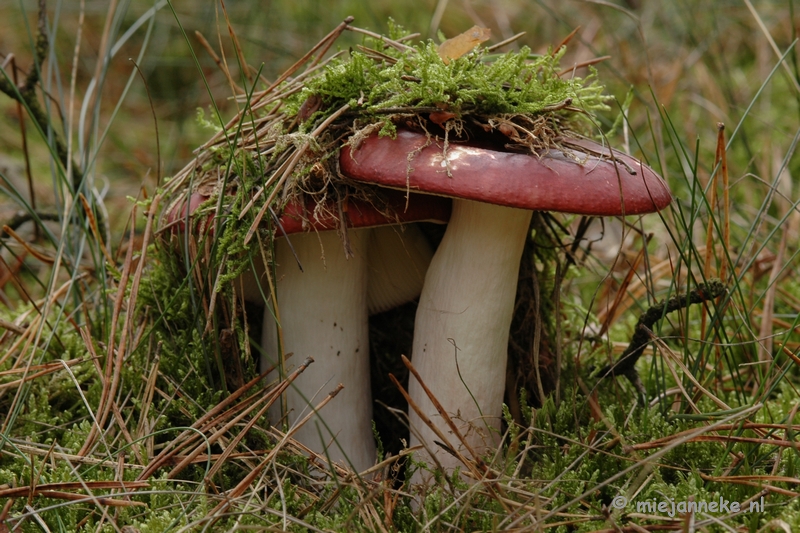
[(362, 214), (358, 213), (575, 182)]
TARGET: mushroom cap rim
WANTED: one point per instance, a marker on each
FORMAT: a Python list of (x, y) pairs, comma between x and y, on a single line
[(581, 182)]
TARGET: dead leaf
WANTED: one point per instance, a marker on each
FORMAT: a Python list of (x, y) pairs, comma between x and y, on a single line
[(461, 44), (440, 117), (309, 107)]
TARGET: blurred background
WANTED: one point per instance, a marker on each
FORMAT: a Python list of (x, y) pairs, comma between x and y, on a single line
[(701, 61)]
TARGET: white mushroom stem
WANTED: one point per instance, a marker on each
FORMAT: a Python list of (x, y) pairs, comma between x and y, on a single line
[(398, 258), (462, 326), (323, 313)]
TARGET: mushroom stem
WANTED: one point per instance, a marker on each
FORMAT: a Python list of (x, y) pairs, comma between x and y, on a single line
[(462, 325), (323, 313), (398, 259)]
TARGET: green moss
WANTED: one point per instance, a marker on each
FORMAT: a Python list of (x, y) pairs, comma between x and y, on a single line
[(480, 84)]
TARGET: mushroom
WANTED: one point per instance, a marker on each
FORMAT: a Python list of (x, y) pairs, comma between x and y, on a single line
[(465, 309), (323, 308), (323, 313)]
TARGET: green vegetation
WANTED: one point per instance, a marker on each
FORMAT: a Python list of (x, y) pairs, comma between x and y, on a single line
[(480, 84), (119, 405)]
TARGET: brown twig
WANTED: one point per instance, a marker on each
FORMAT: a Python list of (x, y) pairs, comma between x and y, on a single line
[(490, 49), (222, 66), (27, 491), (207, 420), (286, 173), (28, 248), (445, 416), (106, 394), (155, 121), (268, 401), (324, 43), (611, 312), (583, 64), (716, 438), (87, 209), (39, 370), (625, 365), (111, 502), (400, 46), (236, 46)]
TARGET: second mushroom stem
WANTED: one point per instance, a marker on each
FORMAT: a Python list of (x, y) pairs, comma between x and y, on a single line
[(463, 321), (324, 315)]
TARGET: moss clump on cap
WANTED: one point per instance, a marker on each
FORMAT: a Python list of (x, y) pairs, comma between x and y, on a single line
[(380, 82)]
